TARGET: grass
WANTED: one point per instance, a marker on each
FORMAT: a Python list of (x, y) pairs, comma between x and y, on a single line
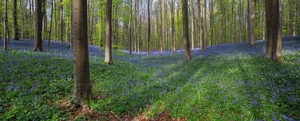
[(231, 86)]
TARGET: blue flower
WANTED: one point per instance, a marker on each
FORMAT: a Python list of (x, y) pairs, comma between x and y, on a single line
[(255, 103), (10, 87)]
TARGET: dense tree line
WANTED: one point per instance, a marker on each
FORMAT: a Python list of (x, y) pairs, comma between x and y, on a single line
[(211, 22)]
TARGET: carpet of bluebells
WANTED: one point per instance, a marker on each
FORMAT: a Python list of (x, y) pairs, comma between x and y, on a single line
[(224, 82)]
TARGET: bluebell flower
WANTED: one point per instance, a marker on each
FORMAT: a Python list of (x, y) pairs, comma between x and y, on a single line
[(256, 96), (248, 95), (10, 87), (255, 103), (134, 95), (285, 117), (290, 98), (177, 88)]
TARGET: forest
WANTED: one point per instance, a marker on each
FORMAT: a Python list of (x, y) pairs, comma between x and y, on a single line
[(150, 60)]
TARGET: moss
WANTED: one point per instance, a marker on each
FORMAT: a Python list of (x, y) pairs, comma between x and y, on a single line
[(279, 59)]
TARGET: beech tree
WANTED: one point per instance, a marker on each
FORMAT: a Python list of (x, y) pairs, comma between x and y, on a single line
[(108, 49), (15, 23), (251, 22), (273, 46), (82, 84), (173, 27), (185, 29), (38, 43), (5, 27), (149, 29)]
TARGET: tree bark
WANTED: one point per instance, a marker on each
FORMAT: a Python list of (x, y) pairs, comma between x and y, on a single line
[(204, 27), (192, 26), (240, 26), (251, 22), (173, 28), (211, 22), (82, 84), (38, 44), (15, 23), (130, 46), (5, 27), (201, 28), (292, 21), (273, 46), (185, 29), (61, 21), (161, 29), (50, 30), (108, 49), (149, 29)]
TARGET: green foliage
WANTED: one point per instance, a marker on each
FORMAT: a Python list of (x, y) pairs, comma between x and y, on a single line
[(233, 85)]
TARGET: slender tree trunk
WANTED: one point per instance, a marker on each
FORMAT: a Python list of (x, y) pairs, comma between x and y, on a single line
[(185, 29), (273, 46), (173, 28), (44, 12), (240, 21), (5, 27), (192, 26), (38, 44), (211, 22), (167, 26), (232, 21), (82, 84), (200, 23), (137, 28), (61, 21), (15, 23), (50, 30), (149, 29), (223, 29), (23, 18), (205, 26), (108, 49), (292, 22), (130, 46), (161, 29), (263, 21), (31, 18), (251, 22)]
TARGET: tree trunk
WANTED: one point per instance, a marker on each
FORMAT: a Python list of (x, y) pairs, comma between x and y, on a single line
[(82, 84), (292, 21), (204, 27), (211, 22), (61, 21), (50, 31), (108, 49), (38, 44), (200, 22), (161, 30), (273, 46), (130, 46), (149, 29), (185, 29), (15, 23), (5, 27), (173, 27), (192, 26), (44, 12), (251, 22), (240, 21)]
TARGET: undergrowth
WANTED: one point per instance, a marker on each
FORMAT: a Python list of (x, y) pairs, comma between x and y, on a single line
[(239, 86)]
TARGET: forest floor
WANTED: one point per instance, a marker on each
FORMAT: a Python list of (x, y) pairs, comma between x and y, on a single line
[(224, 82)]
